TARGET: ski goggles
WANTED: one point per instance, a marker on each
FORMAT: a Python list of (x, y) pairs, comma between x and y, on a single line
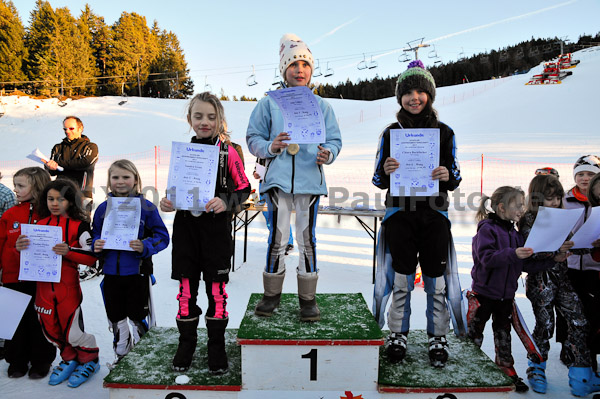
[(546, 171)]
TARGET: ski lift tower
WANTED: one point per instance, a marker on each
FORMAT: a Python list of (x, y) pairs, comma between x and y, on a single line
[(415, 45)]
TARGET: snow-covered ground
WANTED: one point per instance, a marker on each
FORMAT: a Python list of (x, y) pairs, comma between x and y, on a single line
[(518, 127)]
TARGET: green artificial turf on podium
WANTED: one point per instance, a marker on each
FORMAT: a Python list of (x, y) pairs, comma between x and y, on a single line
[(149, 363), (467, 366), (343, 317)]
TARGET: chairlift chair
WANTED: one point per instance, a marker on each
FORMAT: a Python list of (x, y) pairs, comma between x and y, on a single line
[(276, 79), (317, 72), (503, 56), (437, 61), (461, 55), (207, 87), (520, 53), (432, 53), (372, 64), (328, 71), (123, 94), (404, 57), (363, 64), (60, 102), (251, 81)]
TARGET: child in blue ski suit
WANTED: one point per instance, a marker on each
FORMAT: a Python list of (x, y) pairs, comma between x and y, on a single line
[(126, 281), (293, 180)]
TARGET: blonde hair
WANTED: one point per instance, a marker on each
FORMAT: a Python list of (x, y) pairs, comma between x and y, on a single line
[(37, 177), (502, 195), (213, 100), (127, 165)]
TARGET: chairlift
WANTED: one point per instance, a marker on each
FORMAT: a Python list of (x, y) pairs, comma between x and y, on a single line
[(251, 81), (363, 64), (503, 56), (534, 51), (317, 72), (437, 61), (404, 57), (433, 53), (372, 64), (328, 71), (520, 53), (123, 94), (276, 79), (461, 55), (60, 102), (547, 48), (207, 87)]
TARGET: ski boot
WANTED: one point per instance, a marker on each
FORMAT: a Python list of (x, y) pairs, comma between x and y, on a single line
[(396, 349), (536, 376), (62, 372), (583, 381), (83, 373), (438, 351)]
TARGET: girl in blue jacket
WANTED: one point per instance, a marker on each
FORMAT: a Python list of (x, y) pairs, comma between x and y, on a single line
[(294, 179), (126, 282), (498, 256)]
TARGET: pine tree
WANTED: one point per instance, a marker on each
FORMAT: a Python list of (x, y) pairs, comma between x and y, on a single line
[(169, 75), (38, 37), (97, 34), (133, 49), (12, 46)]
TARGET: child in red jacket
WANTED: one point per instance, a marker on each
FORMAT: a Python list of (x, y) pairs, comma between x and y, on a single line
[(59, 304), (28, 344)]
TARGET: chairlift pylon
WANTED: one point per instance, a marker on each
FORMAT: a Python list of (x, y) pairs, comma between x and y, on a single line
[(363, 64), (251, 81), (317, 72), (372, 64), (328, 71)]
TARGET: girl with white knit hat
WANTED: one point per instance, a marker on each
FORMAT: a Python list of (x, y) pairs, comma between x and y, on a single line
[(294, 180)]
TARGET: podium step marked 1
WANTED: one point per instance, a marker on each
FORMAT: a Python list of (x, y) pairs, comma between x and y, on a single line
[(340, 352), (341, 356)]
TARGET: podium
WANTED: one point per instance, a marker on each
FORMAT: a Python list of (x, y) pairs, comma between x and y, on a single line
[(341, 356)]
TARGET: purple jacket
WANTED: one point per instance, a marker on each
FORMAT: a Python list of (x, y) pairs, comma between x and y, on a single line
[(496, 268)]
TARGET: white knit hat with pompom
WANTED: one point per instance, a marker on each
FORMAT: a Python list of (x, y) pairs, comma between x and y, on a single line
[(292, 49)]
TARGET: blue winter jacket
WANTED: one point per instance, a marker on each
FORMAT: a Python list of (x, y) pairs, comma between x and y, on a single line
[(295, 174), (152, 232)]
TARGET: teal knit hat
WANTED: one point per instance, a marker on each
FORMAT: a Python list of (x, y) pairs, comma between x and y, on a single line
[(415, 77)]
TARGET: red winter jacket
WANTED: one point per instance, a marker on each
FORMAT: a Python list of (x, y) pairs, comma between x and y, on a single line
[(10, 230), (77, 234)]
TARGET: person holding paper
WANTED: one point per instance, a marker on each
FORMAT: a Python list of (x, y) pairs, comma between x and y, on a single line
[(584, 271), (202, 243), (77, 155), (59, 304), (127, 271), (498, 256), (550, 288), (416, 229), (28, 344), (294, 179)]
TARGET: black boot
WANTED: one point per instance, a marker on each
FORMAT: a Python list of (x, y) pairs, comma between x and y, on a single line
[(188, 338), (270, 301), (217, 357)]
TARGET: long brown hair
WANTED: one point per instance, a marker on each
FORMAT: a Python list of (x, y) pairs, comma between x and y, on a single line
[(543, 186), (37, 177)]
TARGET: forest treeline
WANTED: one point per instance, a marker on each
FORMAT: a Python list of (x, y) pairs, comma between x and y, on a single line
[(484, 66), (59, 54)]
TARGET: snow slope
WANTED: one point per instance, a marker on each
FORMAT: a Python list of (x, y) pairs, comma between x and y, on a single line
[(529, 126)]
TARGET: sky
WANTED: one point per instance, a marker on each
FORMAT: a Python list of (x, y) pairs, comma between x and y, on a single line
[(515, 128), (226, 42)]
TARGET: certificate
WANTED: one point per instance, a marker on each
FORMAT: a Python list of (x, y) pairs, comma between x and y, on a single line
[(589, 232), (302, 116), (39, 262), (551, 228), (12, 307), (418, 152), (192, 175), (121, 222)]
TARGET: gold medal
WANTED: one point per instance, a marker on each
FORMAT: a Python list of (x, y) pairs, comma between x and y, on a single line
[(293, 149)]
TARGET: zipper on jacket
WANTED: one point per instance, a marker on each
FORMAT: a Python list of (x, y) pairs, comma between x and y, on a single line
[(293, 172), (321, 172)]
